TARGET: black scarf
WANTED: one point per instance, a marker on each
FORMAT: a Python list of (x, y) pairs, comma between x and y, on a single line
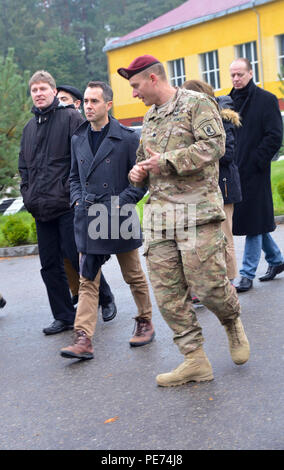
[(41, 112), (240, 96)]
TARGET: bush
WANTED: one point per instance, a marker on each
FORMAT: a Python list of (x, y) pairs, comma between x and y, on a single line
[(15, 231), (277, 176), (280, 189), (26, 219)]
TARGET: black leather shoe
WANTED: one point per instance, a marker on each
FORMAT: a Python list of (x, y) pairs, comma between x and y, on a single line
[(109, 312), (57, 327), (244, 285), (271, 272), (2, 302)]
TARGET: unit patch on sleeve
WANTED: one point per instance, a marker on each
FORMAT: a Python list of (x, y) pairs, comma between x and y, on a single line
[(209, 130)]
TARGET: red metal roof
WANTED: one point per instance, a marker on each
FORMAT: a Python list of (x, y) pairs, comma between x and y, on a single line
[(188, 12)]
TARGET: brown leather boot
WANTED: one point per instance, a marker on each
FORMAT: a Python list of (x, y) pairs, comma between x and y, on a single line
[(144, 332), (81, 349)]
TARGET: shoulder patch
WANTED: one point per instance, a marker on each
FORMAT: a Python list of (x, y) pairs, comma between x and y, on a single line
[(209, 130)]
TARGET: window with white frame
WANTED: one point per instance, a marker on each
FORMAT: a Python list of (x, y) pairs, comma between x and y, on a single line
[(176, 72), (249, 51), (210, 69), (280, 40)]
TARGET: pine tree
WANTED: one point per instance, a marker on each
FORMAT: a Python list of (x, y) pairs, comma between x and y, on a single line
[(15, 108)]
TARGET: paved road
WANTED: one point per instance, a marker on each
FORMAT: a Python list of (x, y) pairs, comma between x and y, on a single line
[(48, 402)]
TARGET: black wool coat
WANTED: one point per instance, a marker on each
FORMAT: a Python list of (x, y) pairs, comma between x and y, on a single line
[(106, 221), (258, 140)]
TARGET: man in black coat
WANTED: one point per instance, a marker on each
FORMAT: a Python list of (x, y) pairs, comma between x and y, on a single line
[(44, 166), (71, 96), (103, 153), (258, 140)]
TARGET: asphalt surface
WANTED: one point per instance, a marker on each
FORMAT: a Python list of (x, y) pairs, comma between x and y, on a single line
[(52, 403)]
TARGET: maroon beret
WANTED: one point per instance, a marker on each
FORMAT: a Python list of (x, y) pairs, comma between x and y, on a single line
[(137, 65)]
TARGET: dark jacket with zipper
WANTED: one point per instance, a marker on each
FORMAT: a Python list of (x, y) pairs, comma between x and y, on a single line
[(45, 160), (229, 178), (101, 192)]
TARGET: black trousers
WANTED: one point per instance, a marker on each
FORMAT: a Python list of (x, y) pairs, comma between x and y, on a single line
[(55, 242)]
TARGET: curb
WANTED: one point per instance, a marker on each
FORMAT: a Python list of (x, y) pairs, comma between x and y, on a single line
[(27, 250), (24, 250), (279, 219)]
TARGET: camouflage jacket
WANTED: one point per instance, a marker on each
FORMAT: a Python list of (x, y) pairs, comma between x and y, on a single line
[(189, 135)]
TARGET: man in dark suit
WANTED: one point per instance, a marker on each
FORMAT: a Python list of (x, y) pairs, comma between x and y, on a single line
[(258, 140), (103, 153)]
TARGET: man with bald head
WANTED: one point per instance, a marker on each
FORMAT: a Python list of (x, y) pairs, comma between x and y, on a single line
[(258, 140)]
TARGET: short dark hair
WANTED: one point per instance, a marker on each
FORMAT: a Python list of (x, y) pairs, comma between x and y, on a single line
[(74, 98), (106, 89)]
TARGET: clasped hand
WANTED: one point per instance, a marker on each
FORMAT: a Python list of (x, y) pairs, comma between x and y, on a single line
[(140, 171)]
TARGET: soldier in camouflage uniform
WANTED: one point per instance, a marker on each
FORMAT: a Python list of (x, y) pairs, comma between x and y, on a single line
[(181, 143)]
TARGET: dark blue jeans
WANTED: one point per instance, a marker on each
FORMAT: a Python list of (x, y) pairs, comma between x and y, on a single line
[(55, 242)]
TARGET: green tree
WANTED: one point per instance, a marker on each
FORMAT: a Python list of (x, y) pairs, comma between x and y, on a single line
[(21, 27), (88, 25), (14, 113), (91, 22), (66, 37), (60, 54), (124, 16)]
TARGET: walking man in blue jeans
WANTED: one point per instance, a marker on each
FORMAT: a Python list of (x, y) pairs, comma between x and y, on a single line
[(258, 140)]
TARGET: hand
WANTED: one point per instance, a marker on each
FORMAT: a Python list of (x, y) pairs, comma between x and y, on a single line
[(137, 174), (152, 164)]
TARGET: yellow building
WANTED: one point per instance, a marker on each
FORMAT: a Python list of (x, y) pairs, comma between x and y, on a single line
[(199, 40)]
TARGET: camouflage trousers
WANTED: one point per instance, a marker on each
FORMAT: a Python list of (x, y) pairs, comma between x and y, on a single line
[(180, 266)]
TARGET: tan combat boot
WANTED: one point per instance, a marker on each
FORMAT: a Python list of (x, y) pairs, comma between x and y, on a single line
[(81, 349), (238, 342), (195, 368), (144, 332)]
